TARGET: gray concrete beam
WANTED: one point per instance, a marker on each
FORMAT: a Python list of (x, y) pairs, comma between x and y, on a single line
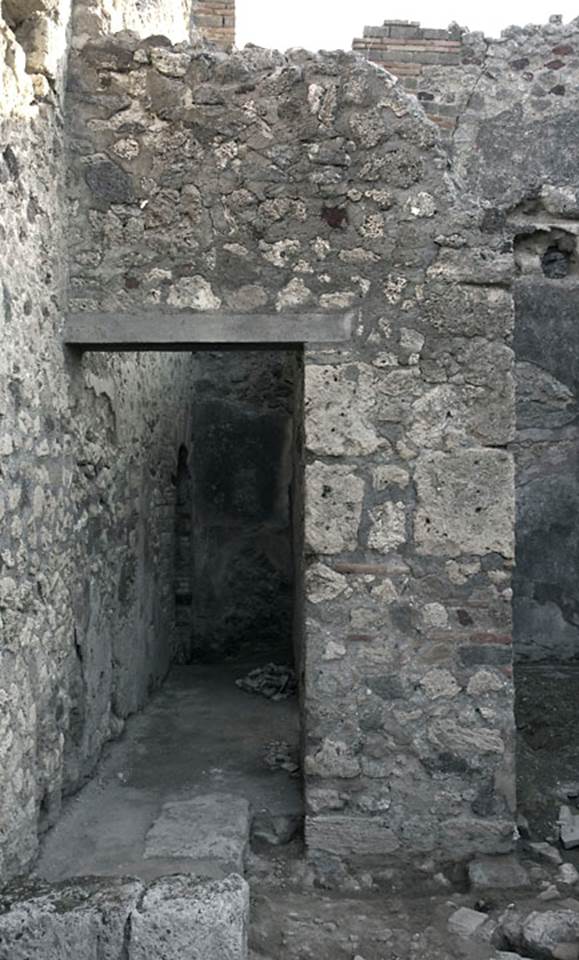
[(164, 329)]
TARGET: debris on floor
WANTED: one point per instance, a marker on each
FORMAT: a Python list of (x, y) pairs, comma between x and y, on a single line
[(273, 681), (278, 755)]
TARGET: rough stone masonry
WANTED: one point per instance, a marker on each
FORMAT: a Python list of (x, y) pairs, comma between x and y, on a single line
[(508, 118), (261, 183), (172, 177)]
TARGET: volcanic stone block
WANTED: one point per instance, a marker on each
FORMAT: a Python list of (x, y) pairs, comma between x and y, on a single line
[(182, 918), (466, 503), (333, 507), (83, 920), (339, 403)]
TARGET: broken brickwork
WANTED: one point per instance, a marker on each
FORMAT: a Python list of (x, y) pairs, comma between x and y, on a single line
[(215, 21)]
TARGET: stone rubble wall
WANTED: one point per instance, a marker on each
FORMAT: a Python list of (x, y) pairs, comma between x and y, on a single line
[(268, 183), (88, 451), (515, 147), (512, 135)]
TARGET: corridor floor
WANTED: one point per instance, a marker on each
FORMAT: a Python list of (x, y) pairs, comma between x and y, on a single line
[(200, 736)]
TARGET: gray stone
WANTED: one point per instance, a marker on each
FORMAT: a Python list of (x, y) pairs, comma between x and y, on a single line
[(339, 403), (566, 951), (276, 830), (334, 497), (182, 329), (543, 932), (546, 852), (567, 874), (497, 872), (182, 918), (465, 503), (209, 829), (550, 893), (507, 955), (350, 836), (82, 919), (466, 922), (109, 182), (568, 827)]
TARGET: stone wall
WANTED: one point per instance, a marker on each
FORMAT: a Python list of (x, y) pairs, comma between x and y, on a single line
[(497, 98), (88, 450), (264, 183), (523, 98)]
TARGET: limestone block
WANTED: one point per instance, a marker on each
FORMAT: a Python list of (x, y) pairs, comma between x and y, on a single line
[(350, 836), (465, 503), (213, 829), (449, 415), (339, 404), (182, 918), (396, 392), (85, 920), (463, 836), (468, 311), (334, 496)]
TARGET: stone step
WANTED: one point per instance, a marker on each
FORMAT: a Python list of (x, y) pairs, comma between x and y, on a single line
[(179, 916), (210, 832)]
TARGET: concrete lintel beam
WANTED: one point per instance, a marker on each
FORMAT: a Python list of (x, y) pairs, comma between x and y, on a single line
[(163, 329)]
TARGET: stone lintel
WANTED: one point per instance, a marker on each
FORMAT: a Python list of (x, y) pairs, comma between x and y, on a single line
[(164, 329)]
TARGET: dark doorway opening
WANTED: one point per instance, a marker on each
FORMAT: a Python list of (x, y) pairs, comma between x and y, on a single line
[(246, 487), (212, 742)]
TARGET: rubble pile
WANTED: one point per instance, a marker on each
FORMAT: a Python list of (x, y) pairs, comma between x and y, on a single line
[(272, 681)]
